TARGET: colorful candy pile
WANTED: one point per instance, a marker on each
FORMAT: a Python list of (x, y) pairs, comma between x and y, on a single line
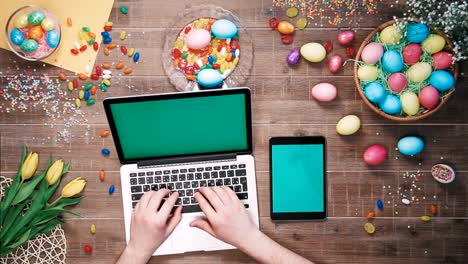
[(85, 37), (207, 44), (35, 35), (406, 70)]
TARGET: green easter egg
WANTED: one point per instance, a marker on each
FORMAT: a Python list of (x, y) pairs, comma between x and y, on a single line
[(29, 45), (35, 18)]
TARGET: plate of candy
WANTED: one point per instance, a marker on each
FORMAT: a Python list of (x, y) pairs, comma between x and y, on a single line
[(33, 33), (404, 70), (202, 50)]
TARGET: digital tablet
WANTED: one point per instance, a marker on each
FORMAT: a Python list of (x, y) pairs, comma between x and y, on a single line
[(298, 182)]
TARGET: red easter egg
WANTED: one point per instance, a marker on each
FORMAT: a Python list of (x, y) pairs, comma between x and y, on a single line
[(287, 39), (397, 82), (429, 97), (412, 53), (335, 63), (375, 155), (346, 37), (442, 60)]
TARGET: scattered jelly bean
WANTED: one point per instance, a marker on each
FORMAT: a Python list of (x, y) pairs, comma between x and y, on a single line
[(107, 28), (130, 52), (91, 41), (369, 227), (108, 23), (83, 48), (92, 35), (103, 87), (88, 249), (106, 76), (62, 76), (233, 53), (86, 95), (75, 83), (434, 209), (405, 201), (105, 34), (88, 86), (107, 72), (107, 40), (328, 45), (128, 70), (81, 94), (273, 23), (106, 82), (85, 29), (111, 189), (93, 90), (136, 56), (123, 49), (82, 76), (78, 103), (104, 133), (74, 51), (215, 65), (123, 34), (370, 215), (380, 205), (106, 51), (123, 10), (69, 22), (235, 44), (91, 102), (119, 65), (70, 85), (95, 46), (92, 229), (111, 46), (105, 65), (426, 218), (94, 76), (102, 175), (98, 70)]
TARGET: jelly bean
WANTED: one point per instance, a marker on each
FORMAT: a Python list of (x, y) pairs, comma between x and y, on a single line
[(85, 29), (104, 133), (119, 65), (426, 218), (123, 34), (81, 94), (91, 41), (210, 59), (62, 76), (380, 205), (111, 46), (187, 29), (130, 52), (434, 209), (83, 48), (350, 52), (95, 46), (70, 86), (328, 45), (74, 51), (98, 70), (107, 72), (176, 53), (107, 40), (88, 249), (105, 65), (196, 66), (370, 215), (94, 76), (75, 83), (105, 34), (88, 86), (106, 82), (128, 70), (106, 76), (123, 49), (273, 23), (189, 70), (111, 189), (106, 51), (92, 229), (92, 35), (136, 57), (123, 10), (90, 102), (182, 64), (235, 44), (370, 228), (216, 66), (108, 23), (82, 76), (233, 53), (184, 55), (69, 21), (93, 90), (103, 87), (107, 28), (77, 103), (292, 12), (86, 95), (190, 77), (102, 175)]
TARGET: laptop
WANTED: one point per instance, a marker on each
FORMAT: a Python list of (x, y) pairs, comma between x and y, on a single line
[(183, 141)]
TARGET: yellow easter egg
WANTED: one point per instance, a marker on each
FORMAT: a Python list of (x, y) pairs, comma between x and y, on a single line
[(368, 73), (348, 125), (410, 103), (47, 24), (21, 21), (419, 72), (313, 52), (433, 44), (390, 35)]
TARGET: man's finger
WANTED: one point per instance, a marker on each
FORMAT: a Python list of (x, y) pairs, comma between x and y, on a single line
[(167, 206), (205, 206), (212, 198), (203, 225), (174, 220), (155, 201)]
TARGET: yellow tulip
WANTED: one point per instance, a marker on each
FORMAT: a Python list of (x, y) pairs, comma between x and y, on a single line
[(74, 187), (29, 165), (54, 172)]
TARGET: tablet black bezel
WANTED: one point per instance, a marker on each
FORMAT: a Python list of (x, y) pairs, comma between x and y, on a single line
[(299, 141)]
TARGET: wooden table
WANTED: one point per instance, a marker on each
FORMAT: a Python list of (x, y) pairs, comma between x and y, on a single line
[(282, 107)]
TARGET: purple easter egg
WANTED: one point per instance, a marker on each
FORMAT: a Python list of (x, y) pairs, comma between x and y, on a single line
[(293, 56)]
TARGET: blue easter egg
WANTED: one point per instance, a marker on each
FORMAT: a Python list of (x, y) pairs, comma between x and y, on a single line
[(209, 78), (223, 29), (442, 80), (417, 32), (391, 104), (410, 145), (380, 205), (16, 36), (375, 92), (105, 151), (111, 189), (53, 38), (136, 56), (392, 61)]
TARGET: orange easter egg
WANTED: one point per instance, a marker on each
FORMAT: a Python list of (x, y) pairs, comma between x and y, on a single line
[(286, 28), (35, 33)]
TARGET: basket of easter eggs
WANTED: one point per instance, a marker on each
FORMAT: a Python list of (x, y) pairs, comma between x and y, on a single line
[(404, 70)]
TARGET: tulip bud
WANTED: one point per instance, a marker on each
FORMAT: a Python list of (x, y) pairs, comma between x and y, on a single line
[(29, 165), (74, 187), (54, 172)]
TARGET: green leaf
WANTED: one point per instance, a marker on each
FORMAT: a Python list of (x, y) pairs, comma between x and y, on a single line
[(25, 237), (11, 217), (28, 187), (67, 201), (51, 213)]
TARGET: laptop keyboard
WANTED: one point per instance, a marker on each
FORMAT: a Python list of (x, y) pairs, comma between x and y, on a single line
[(187, 181)]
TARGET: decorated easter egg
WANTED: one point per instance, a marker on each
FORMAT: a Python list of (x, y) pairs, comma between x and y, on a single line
[(391, 104), (16, 36), (348, 125), (419, 72), (442, 80), (35, 33), (397, 82), (417, 32), (346, 37), (368, 73), (209, 78), (313, 52), (392, 61), (35, 18), (286, 28), (29, 45), (198, 39), (390, 35), (429, 97), (410, 103), (442, 60), (412, 53), (324, 92), (53, 38), (433, 44), (375, 92), (224, 29), (410, 145), (372, 53), (47, 24), (375, 155), (335, 63), (293, 57), (21, 21)]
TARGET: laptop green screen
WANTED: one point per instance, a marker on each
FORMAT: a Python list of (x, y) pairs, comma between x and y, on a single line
[(181, 126)]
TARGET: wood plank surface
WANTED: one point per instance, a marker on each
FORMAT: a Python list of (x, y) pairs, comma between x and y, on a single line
[(282, 106)]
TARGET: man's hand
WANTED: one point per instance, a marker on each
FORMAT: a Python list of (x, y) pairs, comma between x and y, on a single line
[(150, 227), (227, 218)]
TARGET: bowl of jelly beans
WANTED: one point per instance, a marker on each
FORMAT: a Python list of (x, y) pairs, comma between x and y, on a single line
[(33, 33)]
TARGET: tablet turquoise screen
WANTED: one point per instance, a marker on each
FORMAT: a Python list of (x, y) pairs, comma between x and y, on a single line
[(297, 172)]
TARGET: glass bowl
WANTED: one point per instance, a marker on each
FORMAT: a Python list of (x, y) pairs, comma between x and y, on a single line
[(46, 33)]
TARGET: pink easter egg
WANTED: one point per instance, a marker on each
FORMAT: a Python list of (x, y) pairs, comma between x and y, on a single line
[(412, 53), (372, 53), (346, 37), (335, 63), (429, 97), (397, 82), (442, 60), (198, 39), (375, 155), (324, 92)]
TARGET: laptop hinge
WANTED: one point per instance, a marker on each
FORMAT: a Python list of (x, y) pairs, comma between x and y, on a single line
[(202, 158)]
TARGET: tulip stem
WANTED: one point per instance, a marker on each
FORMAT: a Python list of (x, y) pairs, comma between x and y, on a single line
[(55, 201)]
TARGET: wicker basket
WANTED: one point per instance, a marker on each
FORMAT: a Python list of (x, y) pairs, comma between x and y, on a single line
[(377, 110)]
